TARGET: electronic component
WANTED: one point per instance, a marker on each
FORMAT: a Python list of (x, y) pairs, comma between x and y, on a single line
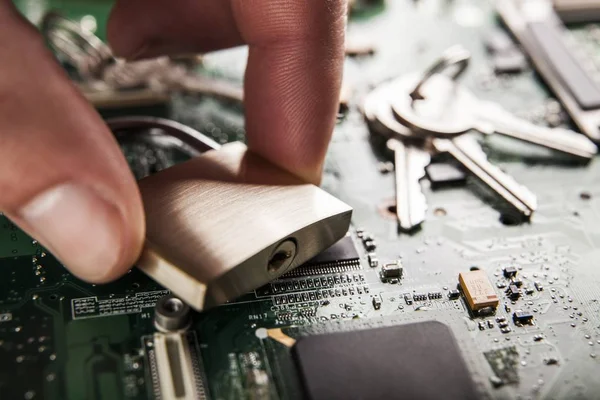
[(443, 174), (509, 63), (171, 314), (538, 286), (542, 35), (408, 299), (434, 295), (372, 259), (177, 368), (372, 371), (196, 257), (504, 363), (453, 294), (513, 292), (529, 291), (484, 312), (392, 271), (498, 42), (370, 245), (358, 47), (376, 302), (258, 383), (343, 250), (478, 290), (570, 70), (509, 272), (522, 318), (419, 297), (577, 10), (517, 282), (551, 361)]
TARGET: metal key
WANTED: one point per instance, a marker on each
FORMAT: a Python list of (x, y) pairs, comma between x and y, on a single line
[(104, 76), (410, 159), (469, 154), (448, 109), (409, 169), (464, 148), (435, 107), (164, 74)]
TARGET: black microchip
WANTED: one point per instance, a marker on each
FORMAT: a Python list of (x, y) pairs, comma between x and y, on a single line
[(384, 363), (343, 250), (513, 292), (522, 317), (509, 272), (445, 174), (547, 38), (512, 62), (517, 282), (498, 42)]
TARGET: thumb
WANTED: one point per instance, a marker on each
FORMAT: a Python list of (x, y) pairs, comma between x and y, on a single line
[(63, 178)]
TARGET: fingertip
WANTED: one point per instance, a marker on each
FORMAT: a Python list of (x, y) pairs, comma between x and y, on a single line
[(126, 35)]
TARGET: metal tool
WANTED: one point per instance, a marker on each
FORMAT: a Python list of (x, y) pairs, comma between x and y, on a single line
[(111, 82), (228, 221)]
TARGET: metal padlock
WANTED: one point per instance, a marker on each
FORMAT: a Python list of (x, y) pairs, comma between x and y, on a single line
[(228, 222)]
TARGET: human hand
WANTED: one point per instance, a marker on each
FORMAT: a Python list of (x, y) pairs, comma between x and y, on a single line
[(64, 179)]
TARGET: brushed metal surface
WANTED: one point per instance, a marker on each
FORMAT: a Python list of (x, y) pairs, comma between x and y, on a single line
[(214, 222)]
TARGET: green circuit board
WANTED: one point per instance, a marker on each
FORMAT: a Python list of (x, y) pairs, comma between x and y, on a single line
[(61, 338)]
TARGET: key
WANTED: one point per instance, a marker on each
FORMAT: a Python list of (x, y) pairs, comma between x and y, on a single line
[(74, 45), (108, 81), (469, 154), (379, 114), (447, 109), (435, 108), (163, 74), (438, 107), (409, 169), (410, 158)]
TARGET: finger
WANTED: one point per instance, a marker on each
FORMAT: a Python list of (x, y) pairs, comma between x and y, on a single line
[(294, 68), (63, 179)]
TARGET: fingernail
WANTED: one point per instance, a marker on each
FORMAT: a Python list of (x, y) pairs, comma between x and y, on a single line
[(79, 227)]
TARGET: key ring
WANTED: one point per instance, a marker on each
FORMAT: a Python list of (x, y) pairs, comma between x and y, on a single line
[(454, 56), (84, 50)]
